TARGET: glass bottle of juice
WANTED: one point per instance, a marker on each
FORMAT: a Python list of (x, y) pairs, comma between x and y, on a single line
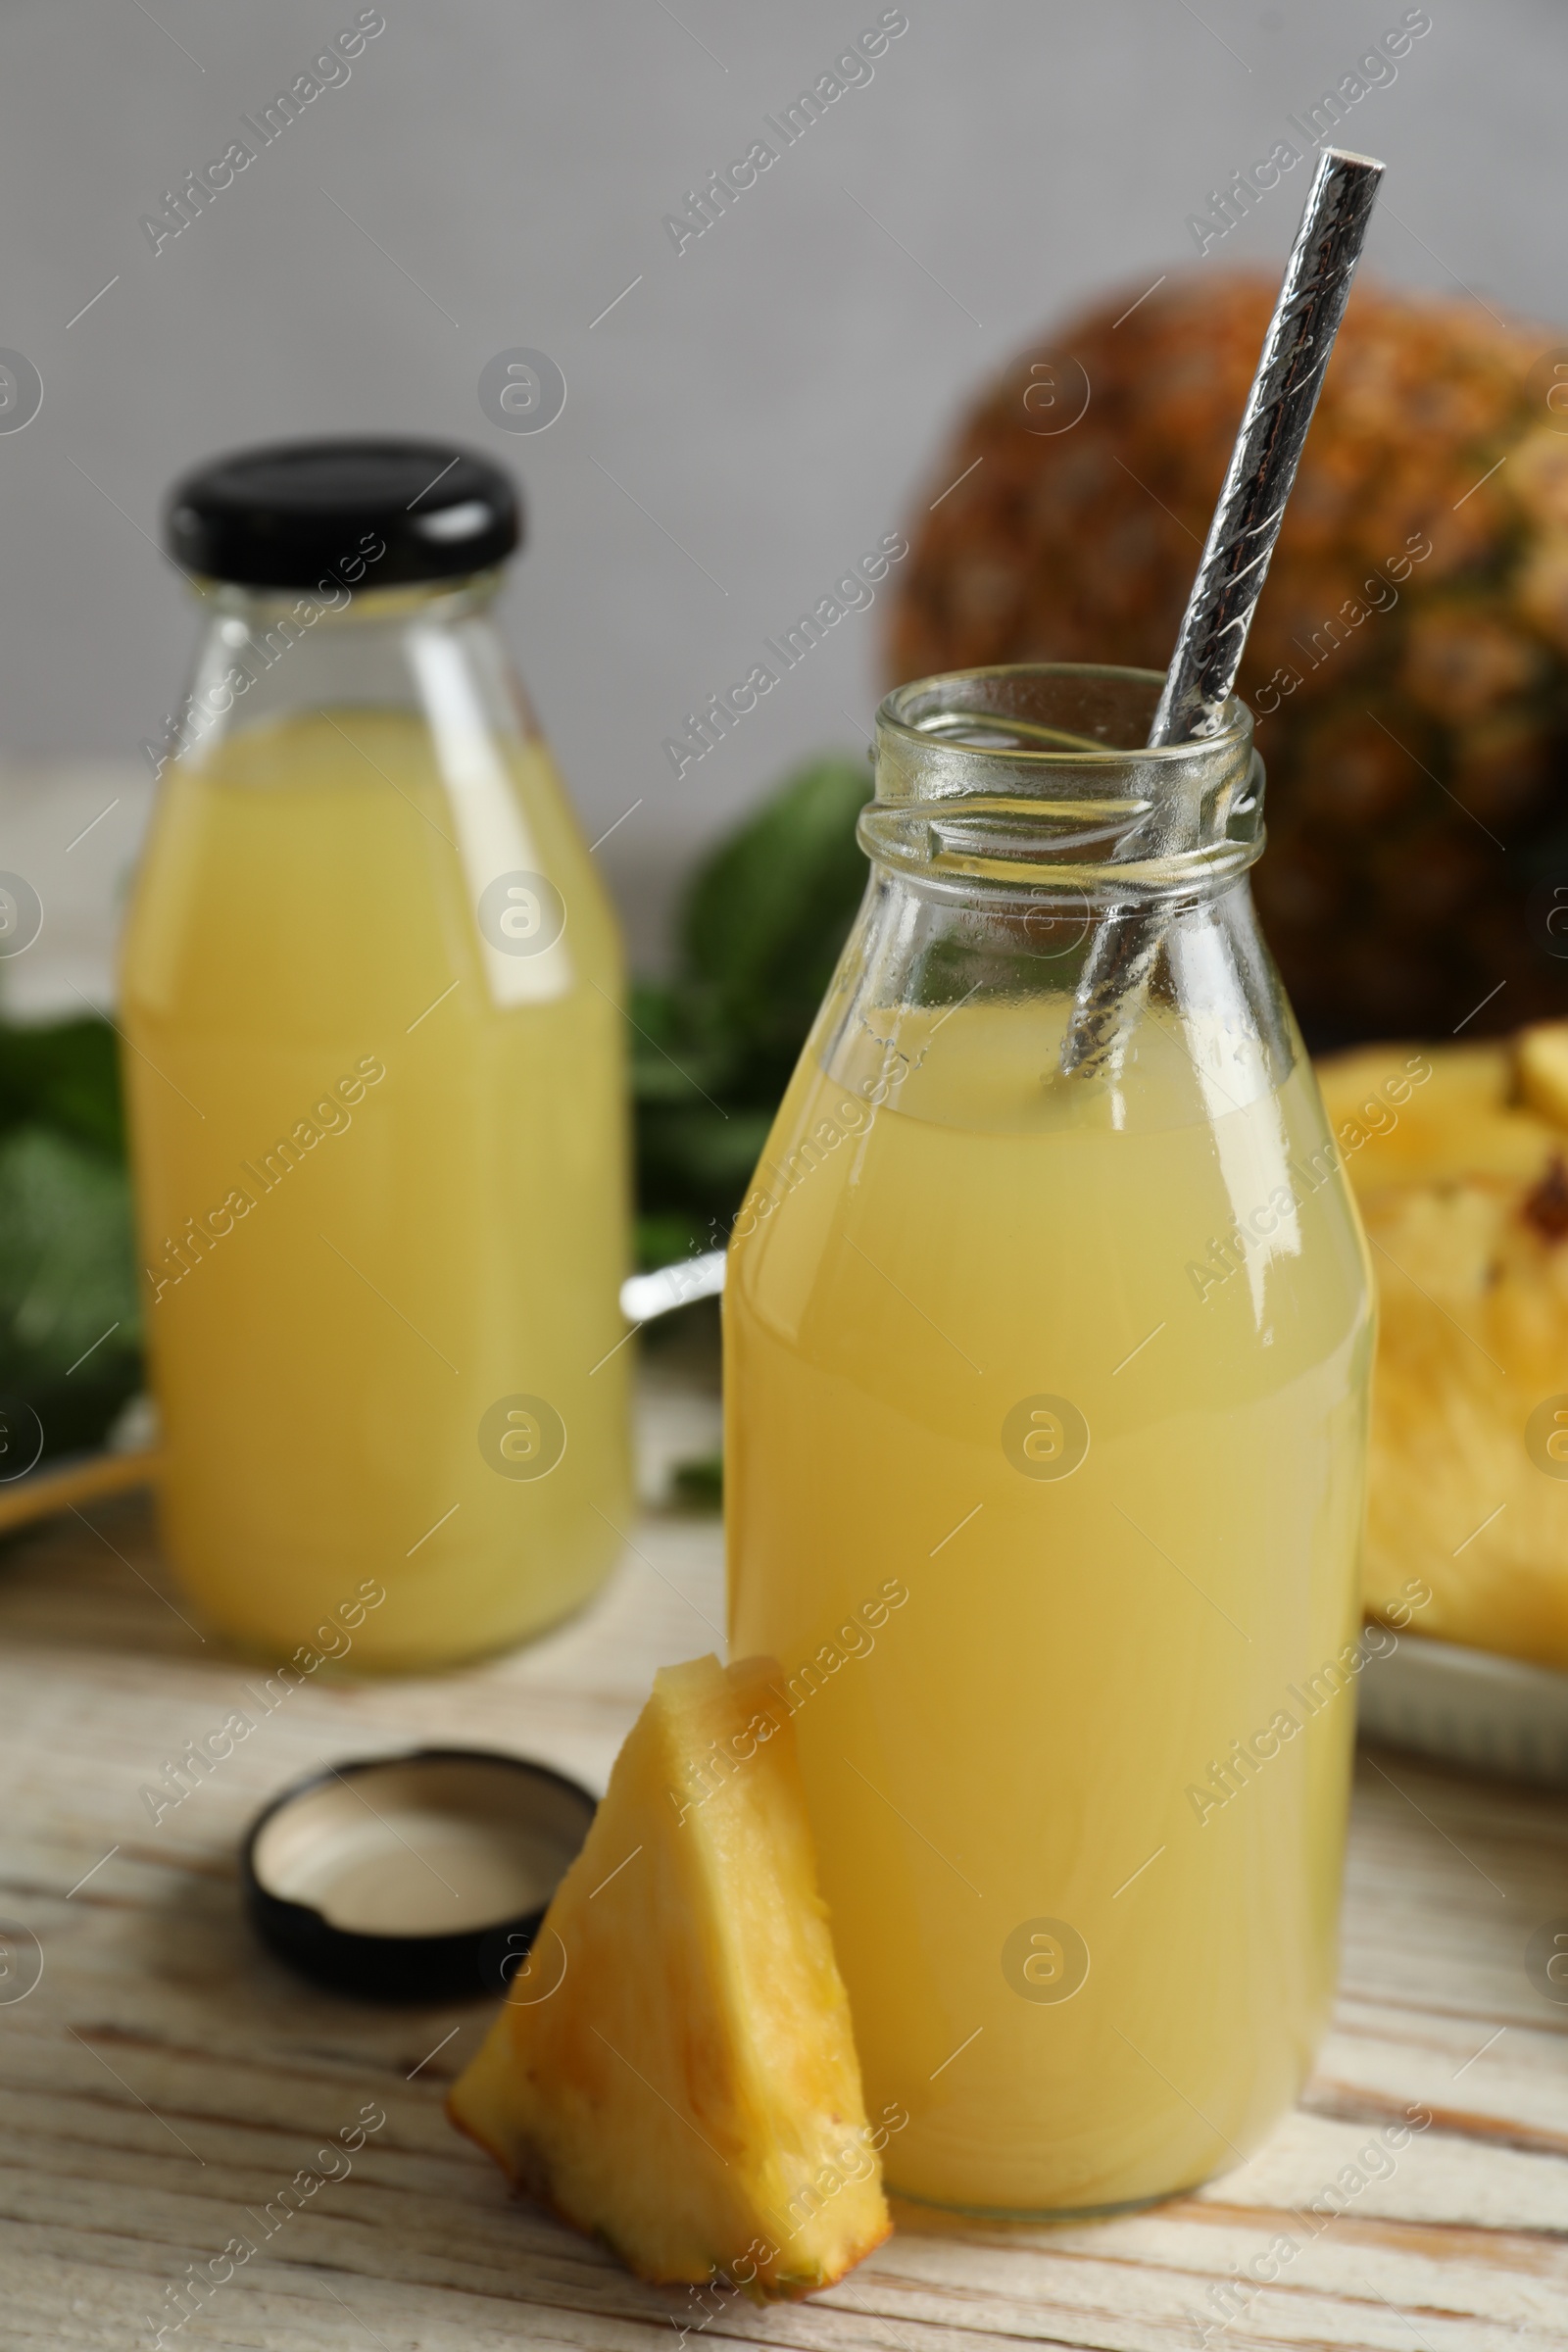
[(1045, 1434), (371, 1000)]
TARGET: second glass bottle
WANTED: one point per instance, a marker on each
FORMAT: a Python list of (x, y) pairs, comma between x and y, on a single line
[(372, 995)]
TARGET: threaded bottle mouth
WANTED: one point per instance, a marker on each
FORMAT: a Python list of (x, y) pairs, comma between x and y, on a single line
[(1037, 776)]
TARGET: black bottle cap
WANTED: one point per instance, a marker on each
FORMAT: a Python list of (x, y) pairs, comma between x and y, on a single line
[(299, 512), (422, 1877)]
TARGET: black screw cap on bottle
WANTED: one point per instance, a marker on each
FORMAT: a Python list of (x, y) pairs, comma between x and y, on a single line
[(289, 515)]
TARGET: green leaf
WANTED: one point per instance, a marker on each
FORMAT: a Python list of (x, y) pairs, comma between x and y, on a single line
[(666, 1235), (677, 1052), (768, 914), (700, 1483), (67, 1076), (762, 925), (700, 1155), (70, 1317)]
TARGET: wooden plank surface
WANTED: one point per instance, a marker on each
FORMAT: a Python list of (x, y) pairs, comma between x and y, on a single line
[(163, 2079)]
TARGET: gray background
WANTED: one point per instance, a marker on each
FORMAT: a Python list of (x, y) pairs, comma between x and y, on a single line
[(751, 417)]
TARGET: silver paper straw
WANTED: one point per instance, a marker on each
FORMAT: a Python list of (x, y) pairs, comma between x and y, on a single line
[(1235, 561)]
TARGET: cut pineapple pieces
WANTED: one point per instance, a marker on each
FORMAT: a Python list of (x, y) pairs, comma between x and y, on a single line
[(675, 2071), (1467, 1516), (1459, 1156)]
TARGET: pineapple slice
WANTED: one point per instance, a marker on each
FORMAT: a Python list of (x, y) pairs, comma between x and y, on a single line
[(1544, 1069), (675, 2070)]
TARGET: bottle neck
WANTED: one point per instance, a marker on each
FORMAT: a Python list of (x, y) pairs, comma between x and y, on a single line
[(266, 654), (347, 597), (1021, 836), (1033, 784)]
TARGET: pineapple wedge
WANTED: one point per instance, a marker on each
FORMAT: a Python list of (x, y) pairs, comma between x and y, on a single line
[(675, 2070)]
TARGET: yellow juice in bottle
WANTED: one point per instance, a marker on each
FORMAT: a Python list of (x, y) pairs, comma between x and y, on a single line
[(382, 1201), (1052, 1523)]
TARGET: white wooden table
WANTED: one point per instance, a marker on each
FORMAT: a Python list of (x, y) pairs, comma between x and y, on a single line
[(165, 2075)]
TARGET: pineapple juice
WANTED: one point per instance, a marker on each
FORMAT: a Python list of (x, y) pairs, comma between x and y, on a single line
[(1079, 1797), (376, 1206)]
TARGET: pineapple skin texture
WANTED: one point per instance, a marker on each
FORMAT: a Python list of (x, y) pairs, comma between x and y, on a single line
[(688, 2090), (1459, 1195), (1405, 700)]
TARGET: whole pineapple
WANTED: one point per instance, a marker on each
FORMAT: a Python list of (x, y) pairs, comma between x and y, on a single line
[(1408, 664)]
